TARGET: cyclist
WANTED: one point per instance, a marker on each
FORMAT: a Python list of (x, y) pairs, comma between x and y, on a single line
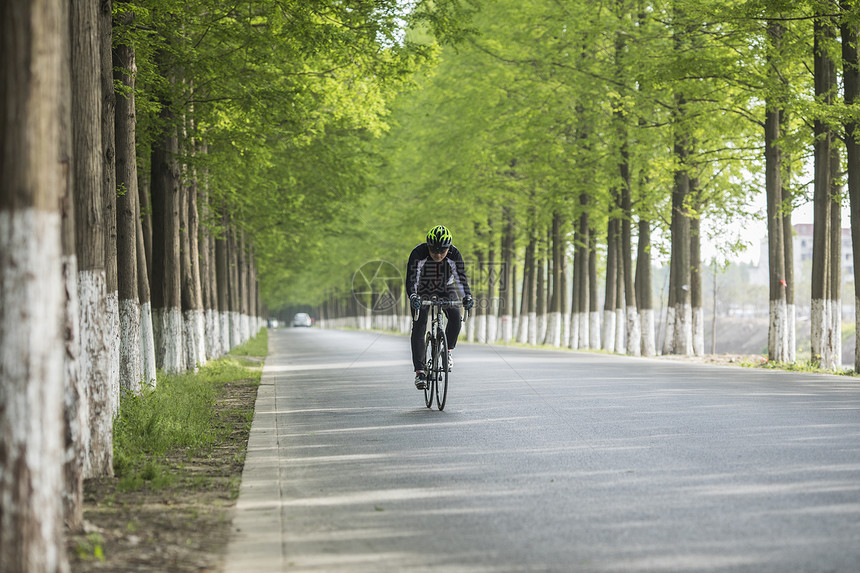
[(435, 267)]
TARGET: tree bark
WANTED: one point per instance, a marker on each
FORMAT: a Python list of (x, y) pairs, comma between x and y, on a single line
[(643, 289), (777, 347), (834, 295), (611, 276), (166, 277), (130, 374), (223, 288), (554, 327), (507, 287), (90, 236), (851, 74), (821, 200), (682, 342), (698, 315), (31, 287), (194, 331), (108, 95), (593, 302), (76, 428)]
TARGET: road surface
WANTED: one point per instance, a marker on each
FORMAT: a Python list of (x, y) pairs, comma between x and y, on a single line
[(543, 461)]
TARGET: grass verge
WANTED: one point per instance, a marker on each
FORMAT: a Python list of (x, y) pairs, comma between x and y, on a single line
[(179, 451)]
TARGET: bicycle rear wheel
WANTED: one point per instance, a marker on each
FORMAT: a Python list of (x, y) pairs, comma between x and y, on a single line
[(428, 370), (442, 374)]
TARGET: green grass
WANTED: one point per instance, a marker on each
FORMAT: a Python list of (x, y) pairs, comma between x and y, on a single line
[(180, 414), (257, 346)]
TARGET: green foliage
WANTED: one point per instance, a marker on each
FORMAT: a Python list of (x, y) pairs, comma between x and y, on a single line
[(90, 547)]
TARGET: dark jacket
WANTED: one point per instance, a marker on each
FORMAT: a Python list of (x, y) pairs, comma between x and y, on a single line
[(446, 279)]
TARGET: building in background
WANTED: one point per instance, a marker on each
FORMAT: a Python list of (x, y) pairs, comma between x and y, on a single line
[(803, 256)]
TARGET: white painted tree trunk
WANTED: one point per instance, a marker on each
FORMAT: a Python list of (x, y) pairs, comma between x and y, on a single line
[(224, 326), (75, 404), (589, 333), (507, 328), (523, 329), (699, 331), (32, 395), (669, 335), (194, 333), (634, 332), (95, 357), (130, 373), (575, 321), (113, 341), (492, 329), (683, 331), (777, 331), (171, 341), (235, 330), (481, 329), (147, 346), (620, 331), (565, 329), (213, 334), (533, 329), (542, 328), (246, 326), (649, 343), (818, 331), (608, 343), (836, 334), (791, 338), (553, 329)]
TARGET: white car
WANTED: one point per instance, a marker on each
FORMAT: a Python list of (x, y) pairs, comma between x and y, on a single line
[(302, 319)]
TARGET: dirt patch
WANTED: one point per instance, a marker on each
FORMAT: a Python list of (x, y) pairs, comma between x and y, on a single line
[(180, 527)]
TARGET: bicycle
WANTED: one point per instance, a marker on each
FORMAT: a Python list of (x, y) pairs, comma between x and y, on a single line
[(436, 352)]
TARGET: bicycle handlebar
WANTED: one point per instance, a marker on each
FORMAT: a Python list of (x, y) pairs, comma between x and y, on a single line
[(443, 302)]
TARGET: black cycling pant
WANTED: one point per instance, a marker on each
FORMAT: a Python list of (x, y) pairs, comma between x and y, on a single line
[(452, 331)]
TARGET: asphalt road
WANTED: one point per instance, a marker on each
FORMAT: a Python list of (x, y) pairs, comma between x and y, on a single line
[(549, 461)]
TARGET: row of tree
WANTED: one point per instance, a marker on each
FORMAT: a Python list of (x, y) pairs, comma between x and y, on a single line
[(160, 161), (571, 133)]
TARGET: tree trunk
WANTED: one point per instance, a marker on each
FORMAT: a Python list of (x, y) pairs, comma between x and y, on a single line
[(554, 327), (609, 298), (851, 73), (194, 331), (222, 283), (834, 295), (777, 347), (633, 342), (533, 288), (541, 290), (130, 374), (90, 236), (31, 287), (507, 288), (682, 342), (580, 330), (696, 277), (643, 289), (235, 297), (109, 192), (525, 299), (593, 302), (821, 201), (76, 428), (166, 277)]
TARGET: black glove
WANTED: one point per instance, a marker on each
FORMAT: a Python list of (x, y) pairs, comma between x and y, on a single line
[(415, 302), (468, 303)]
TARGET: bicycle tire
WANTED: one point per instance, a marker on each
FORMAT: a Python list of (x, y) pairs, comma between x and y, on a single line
[(428, 370), (441, 383)]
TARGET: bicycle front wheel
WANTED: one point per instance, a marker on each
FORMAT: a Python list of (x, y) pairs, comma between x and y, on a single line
[(442, 374), (428, 371)]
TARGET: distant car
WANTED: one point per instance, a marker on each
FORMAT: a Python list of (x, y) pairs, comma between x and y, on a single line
[(302, 319)]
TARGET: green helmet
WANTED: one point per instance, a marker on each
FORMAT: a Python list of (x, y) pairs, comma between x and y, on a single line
[(439, 237)]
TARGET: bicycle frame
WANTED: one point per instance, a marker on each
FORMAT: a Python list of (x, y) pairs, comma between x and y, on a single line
[(436, 351)]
